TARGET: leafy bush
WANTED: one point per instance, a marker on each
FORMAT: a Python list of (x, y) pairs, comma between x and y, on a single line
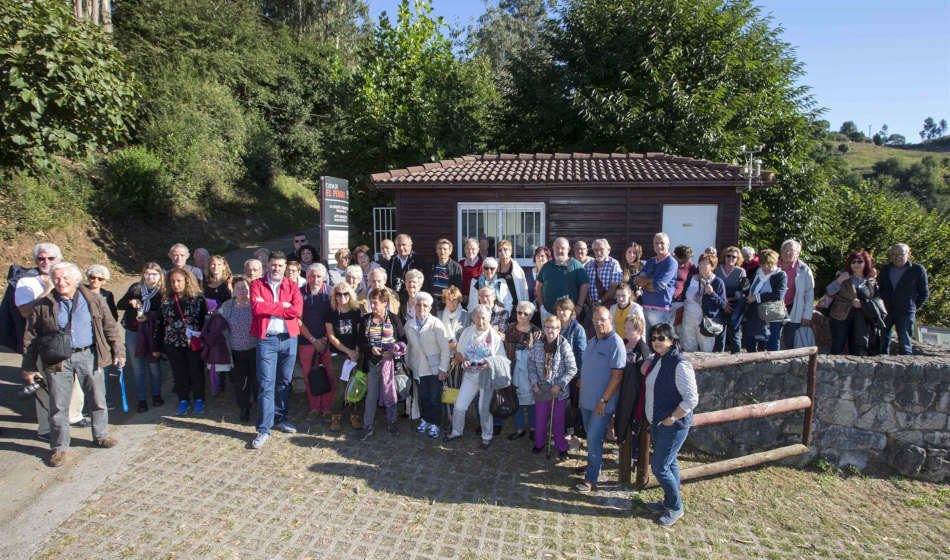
[(63, 87), (136, 181), (198, 129)]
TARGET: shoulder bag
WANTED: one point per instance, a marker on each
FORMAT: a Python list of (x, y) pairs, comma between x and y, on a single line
[(194, 342), (56, 347), (771, 311)]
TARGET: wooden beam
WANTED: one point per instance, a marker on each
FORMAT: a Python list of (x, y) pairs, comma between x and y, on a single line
[(720, 467), (751, 358), (810, 392), (757, 410)]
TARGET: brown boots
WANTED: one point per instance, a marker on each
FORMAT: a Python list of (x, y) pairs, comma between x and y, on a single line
[(356, 421), (336, 423)]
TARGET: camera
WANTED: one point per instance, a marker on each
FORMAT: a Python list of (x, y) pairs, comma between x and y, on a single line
[(32, 388)]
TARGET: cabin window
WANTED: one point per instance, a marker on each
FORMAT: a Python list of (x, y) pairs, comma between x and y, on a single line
[(520, 223)]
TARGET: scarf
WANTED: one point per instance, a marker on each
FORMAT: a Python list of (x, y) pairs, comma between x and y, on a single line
[(147, 296), (387, 394)]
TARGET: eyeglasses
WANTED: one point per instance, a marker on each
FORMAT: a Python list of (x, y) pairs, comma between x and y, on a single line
[(659, 338), (47, 259), (96, 279), (551, 328), (488, 268), (732, 256), (524, 313)]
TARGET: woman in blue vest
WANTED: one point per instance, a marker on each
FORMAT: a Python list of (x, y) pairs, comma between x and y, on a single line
[(670, 398)]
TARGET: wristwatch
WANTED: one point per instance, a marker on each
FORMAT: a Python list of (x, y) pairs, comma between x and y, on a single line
[(603, 401)]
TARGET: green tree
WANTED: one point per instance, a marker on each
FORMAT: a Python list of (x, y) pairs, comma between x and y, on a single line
[(339, 23), (932, 129), (413, 101), (64, 89), (509, 28)]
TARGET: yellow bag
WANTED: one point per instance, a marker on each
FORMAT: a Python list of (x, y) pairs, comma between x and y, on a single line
[(449, 395)]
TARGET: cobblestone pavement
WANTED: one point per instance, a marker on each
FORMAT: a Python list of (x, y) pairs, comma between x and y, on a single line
[(197, 491)]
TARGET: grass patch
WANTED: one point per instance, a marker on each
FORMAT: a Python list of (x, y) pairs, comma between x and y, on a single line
[(862, 155)]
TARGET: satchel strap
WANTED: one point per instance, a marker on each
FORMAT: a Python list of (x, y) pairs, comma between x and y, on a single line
[(69, 314), (180, 314)]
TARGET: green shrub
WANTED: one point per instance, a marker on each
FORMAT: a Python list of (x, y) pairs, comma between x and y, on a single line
[(198, 129), (136, 181), (46, 199)]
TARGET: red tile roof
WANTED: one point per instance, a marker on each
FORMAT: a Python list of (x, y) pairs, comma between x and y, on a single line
[(651, 169)]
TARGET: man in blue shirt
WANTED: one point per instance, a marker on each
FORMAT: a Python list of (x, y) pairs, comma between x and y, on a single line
[(658, 280), (601, 374)]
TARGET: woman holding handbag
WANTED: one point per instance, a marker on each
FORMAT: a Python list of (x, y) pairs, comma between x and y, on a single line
[(551, 367), (765, 305), (705, 298), (181, 317), (849, 325)]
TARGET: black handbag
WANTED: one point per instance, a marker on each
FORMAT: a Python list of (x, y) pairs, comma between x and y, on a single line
[(401, 375), (504, 402), (319, 381), (56, 347)]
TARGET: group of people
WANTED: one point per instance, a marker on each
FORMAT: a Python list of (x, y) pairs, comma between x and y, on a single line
[(590, 346)]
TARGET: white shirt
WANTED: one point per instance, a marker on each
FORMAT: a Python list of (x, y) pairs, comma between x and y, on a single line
[(28, 289), (276, 324)]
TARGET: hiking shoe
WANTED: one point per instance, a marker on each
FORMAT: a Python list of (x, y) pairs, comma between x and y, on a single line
[(655, 507), (392, 428), (367, 434), (81, 424), (433, 431), (57, 458), (143, 406), (259, 440), (485, 444), (199, 407), (182, 408), (669, 517), (583, 488), (106, 442), (356, 422), (422, 427), (451, 439), (537, 450), (286, 427)]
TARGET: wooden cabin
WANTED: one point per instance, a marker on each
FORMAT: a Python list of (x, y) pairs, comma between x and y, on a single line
[(531, 199)]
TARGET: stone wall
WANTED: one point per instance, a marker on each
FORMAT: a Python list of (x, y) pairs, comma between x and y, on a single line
[(875, 413)]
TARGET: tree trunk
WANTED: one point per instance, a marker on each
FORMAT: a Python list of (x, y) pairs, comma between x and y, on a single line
[(97, 12)]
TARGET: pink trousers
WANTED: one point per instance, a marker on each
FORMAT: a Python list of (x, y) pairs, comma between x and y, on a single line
[(309, 358)]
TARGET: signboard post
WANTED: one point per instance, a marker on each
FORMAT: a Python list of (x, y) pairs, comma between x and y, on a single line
[(334, 216)]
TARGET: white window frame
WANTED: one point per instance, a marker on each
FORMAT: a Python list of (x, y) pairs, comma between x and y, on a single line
[(489, 206)]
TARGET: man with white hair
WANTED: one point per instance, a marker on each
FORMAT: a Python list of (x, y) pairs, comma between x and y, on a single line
[(89, 339), (562, 277), (604, 273), (178, 254), (658, 280), (903, 287), (253, 269), (800, 296), (402, 262)]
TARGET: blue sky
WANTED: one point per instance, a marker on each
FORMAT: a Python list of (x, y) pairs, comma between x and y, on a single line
[(870, 61)]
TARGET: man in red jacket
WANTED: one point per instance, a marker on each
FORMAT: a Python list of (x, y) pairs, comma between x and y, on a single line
[(275, 306)]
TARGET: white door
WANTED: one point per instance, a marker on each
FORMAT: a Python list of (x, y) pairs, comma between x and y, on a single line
[(691, 224)]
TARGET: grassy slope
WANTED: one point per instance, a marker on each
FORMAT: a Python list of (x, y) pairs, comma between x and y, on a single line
[(861, 156)]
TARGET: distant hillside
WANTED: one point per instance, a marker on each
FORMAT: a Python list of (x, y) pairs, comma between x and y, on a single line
[(862, 155)]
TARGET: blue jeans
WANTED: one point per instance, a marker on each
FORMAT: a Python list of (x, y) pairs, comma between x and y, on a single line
[(904, 324), (141, 365), (596, 427), (275, 369), (655, 317), (523, 410), (667, 441)]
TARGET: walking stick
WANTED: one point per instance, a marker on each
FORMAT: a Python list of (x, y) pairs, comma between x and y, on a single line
[(550, 435), (125, 403)]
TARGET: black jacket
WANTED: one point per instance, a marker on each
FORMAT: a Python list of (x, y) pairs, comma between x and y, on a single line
[(910, 293), (362, 340), (396, 273), (628, 413)]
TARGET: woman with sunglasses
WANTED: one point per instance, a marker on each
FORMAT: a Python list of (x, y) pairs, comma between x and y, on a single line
[(849, 325), (96, 277), (670, 395), (734, 277), (342, 322), (520, 338)]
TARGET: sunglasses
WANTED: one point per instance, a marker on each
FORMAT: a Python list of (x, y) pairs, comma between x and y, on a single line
[(47, 259), (524, 313), (658, 338), (488, 268), (96, 279), (341, 294)]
